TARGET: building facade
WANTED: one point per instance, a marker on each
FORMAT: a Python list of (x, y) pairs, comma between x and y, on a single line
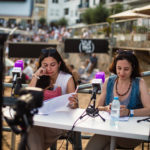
[(53, 10)]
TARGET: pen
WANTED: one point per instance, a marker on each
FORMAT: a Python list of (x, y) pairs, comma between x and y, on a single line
[(76, 89)]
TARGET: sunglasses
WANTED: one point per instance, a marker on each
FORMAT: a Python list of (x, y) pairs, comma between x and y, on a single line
[(124, 52), (48, 51)]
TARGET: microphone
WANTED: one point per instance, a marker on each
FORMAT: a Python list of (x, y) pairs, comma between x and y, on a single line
[(100, 75), (83, 87), (17, 70), (96, 84)]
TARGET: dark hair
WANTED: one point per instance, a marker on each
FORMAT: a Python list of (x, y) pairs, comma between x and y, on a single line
[(131, 58), (51, 52)]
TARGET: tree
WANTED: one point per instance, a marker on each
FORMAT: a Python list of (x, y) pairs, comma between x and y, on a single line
[(62, 22), (96, 15), (87, 16), (117, 8), (42, 21), (100, 14)]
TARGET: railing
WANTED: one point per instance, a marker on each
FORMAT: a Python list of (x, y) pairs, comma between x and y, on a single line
[(133, 33)]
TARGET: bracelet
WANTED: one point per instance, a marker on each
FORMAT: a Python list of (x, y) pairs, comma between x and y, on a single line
[(131, 112), (34, 75)]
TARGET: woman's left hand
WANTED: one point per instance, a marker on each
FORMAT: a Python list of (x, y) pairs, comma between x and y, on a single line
[(73, 101)]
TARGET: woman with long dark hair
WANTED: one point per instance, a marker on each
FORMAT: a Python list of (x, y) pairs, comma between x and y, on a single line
[(52, 73), (127, 84)]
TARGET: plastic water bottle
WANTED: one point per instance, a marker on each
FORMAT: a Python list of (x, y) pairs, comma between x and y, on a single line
[(115, 112)]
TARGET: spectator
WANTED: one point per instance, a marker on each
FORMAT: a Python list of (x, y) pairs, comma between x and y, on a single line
[(93, 61), (75, 74), (28, 70)]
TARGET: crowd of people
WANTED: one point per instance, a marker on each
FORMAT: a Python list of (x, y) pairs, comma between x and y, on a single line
[(57, 33)]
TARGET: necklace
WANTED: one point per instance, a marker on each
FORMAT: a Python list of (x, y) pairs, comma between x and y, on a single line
[(125, 92)]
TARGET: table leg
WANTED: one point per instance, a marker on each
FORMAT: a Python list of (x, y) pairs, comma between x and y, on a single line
[(113, 143)]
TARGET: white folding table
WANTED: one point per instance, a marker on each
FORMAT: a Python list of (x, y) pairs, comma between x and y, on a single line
[(65, 120)]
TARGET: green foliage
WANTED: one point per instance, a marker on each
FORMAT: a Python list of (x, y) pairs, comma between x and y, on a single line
[(62, 22), (100, 14), (42, 21), (87, 16), (141, 29), (95, 15), (117, 8)]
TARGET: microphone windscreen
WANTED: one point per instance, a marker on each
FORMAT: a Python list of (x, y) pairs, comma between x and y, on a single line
[(19, 64), (100, 75)]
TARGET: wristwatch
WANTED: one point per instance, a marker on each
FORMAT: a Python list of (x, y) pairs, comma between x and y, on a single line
[(131, 112)]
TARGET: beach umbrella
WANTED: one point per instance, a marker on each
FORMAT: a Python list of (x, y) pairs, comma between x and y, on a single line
[(143, 10), (128, 15), (8, 62)]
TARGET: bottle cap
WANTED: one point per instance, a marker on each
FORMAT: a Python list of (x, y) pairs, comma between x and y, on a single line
[(116, 98)]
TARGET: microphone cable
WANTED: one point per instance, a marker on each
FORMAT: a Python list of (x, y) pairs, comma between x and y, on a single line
[(69, 133)]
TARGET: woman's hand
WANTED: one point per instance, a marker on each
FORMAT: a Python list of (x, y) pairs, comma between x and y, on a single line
[(40, 72), (73, 101), (124, 111), (105, 108)]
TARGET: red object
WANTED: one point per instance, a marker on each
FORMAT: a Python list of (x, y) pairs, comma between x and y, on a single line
[(48, 94)]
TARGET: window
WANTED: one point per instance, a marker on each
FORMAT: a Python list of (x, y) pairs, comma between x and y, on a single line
[(55, 1), (57, 12), (66, 11)]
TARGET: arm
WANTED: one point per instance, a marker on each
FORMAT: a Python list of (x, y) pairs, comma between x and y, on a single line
[(102, 98), (70, 86), (73, 100), (41, 71), (145, 99)]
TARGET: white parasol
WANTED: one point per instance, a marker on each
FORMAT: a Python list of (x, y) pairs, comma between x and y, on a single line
[(128, 15)]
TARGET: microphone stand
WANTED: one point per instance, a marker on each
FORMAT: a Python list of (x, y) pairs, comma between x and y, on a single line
[(91, 110), (18, 86)]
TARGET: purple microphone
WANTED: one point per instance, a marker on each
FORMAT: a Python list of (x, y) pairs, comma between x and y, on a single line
[(100, 75), (17, 70), (20, 64)]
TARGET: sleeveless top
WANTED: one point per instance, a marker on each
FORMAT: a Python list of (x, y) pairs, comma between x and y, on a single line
[(62, 81), (133, 99)]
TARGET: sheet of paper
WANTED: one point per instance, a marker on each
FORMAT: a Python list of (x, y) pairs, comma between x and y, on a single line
[(106, 115), (55, 104)]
